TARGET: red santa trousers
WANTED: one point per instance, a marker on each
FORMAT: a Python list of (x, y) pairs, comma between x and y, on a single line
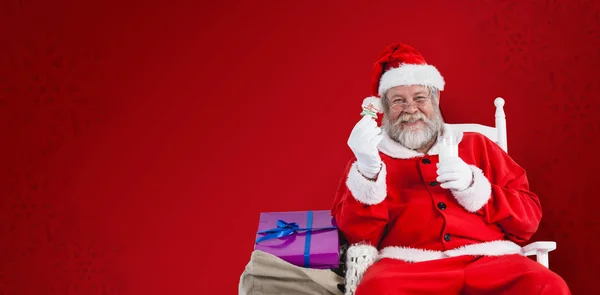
[(509, 274)]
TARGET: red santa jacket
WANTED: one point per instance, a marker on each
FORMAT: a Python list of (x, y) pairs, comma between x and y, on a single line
[(408, 216)]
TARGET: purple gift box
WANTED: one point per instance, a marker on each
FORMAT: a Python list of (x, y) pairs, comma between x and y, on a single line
[(303, 238)]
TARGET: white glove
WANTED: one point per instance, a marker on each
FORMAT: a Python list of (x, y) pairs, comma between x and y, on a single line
[(363, 141), (454, 174)]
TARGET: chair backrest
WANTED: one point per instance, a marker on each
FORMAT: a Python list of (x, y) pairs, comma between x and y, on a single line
[(496, 134)]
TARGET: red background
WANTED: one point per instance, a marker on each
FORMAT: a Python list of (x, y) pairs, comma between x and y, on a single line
[(141, 140)]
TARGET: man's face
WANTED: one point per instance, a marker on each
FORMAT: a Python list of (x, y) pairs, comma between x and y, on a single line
[(411, 118)]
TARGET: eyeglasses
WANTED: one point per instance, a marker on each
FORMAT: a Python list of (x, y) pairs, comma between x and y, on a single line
[(401, 104)]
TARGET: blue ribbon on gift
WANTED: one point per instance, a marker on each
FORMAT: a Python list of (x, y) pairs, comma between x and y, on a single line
[(285, 229)]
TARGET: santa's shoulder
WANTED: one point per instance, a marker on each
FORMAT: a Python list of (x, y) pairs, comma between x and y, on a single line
[(477, 139)]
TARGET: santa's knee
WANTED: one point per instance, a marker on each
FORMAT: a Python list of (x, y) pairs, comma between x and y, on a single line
[(543, 282)]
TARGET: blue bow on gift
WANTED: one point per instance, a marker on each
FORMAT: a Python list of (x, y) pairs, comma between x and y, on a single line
[(285, 229)]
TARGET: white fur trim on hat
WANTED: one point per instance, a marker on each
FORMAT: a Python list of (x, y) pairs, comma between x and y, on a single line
[(411, 74)]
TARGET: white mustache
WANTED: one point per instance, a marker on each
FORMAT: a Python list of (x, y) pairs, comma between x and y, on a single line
[(411, 118)]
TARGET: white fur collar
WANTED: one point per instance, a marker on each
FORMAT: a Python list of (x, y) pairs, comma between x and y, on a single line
[(395, 150)]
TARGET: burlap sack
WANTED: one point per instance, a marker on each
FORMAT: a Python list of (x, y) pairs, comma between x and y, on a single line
[(267, 274)]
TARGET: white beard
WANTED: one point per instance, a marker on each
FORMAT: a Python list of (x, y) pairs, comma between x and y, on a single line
[(413, 137)]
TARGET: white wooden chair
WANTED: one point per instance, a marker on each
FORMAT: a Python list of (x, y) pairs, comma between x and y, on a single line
[(358, 258)]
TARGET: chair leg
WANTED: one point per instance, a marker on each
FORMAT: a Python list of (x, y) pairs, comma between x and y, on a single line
[(542, 257)]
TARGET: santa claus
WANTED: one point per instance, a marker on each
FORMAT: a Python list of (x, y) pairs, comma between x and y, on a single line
[(449, 227)]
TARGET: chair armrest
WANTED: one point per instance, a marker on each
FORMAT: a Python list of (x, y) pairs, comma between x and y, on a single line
[(536, 247), (540, 250)]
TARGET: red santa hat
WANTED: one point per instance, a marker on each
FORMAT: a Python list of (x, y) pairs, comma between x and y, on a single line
[(398, 65)]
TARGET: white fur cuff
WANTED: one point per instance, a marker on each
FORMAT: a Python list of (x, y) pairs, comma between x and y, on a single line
[(364, 190), (476, 196)]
